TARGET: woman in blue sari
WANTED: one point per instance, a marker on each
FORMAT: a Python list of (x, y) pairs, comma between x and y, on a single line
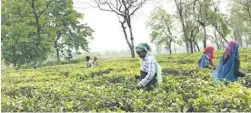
[(229, 64)]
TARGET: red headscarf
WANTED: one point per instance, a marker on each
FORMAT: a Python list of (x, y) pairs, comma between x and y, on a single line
[(209, 50)]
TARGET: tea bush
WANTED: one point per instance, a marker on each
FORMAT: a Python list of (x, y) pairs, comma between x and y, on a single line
[(111, 86)]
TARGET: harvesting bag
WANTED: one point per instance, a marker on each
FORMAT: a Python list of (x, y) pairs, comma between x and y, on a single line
[(158, 72)]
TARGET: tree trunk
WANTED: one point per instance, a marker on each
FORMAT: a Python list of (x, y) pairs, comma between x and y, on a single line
[(38, 28), (126, 37), (194, 47), (157, 48), (131, 35), (14, 57), (58, 56), (191, 46), (56, 47), (132, 52), (132, 49), (222, 36), (241, 44), (197, 45), (237, 37), (205, 37), (180, 11), (216, 40), (170, 46), (15, 54), (235, 34), (222, 43)]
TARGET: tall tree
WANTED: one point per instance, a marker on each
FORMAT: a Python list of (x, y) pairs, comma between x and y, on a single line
[(181, 11), (161, 24), (44, 33), (124, 9), (193, 29), (70, 34), (240, 19), (202, 10), (30, 26), (220, 24), (17, 32), (185, 12)]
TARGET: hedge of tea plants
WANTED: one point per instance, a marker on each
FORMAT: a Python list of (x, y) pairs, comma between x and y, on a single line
[(111, 86)]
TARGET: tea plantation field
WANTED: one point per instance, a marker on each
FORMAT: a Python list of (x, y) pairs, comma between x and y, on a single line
[(111, 86)]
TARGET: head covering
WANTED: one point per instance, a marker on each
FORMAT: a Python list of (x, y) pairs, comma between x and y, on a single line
[(206, 57), (145, 47), (209, 50), (225, 69), (229, 48)]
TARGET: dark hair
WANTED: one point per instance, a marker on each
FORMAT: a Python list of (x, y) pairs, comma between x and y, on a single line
[(87, 58)]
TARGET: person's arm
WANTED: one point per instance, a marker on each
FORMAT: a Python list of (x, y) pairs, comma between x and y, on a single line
[(211, 62), (237, 72), (150, 73)]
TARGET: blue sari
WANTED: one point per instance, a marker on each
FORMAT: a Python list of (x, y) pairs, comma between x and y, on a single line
[(203, 61), (225, 70)]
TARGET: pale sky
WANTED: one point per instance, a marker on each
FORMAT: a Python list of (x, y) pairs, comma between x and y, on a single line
[(108, 34)]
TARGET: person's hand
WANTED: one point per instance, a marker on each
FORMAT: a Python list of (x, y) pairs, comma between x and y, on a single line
[(213, 68), (137, 76), (139, 86)]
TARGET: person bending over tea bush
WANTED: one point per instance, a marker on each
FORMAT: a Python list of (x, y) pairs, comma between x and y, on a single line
[(95, 62), (150, 71), (89, 62), (206, 60), (229, 65)]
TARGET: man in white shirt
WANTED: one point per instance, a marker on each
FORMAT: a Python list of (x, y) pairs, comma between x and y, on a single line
[(89, 62), (149, 68)]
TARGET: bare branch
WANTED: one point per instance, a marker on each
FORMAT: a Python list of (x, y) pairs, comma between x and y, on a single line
[(112, 6), (99, 3), (120, 4), (117, 5), (126, 8), (124, 31), (138, 7)]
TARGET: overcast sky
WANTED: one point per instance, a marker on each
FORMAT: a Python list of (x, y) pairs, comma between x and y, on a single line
[(108, 34)]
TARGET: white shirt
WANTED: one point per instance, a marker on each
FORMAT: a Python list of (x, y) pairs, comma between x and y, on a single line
[(89, 63), (148, 65)]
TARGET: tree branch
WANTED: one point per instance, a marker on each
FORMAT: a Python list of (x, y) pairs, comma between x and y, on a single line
[(114, 8), (124, 31), (47, 5), (138, 7), (98, 2)]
